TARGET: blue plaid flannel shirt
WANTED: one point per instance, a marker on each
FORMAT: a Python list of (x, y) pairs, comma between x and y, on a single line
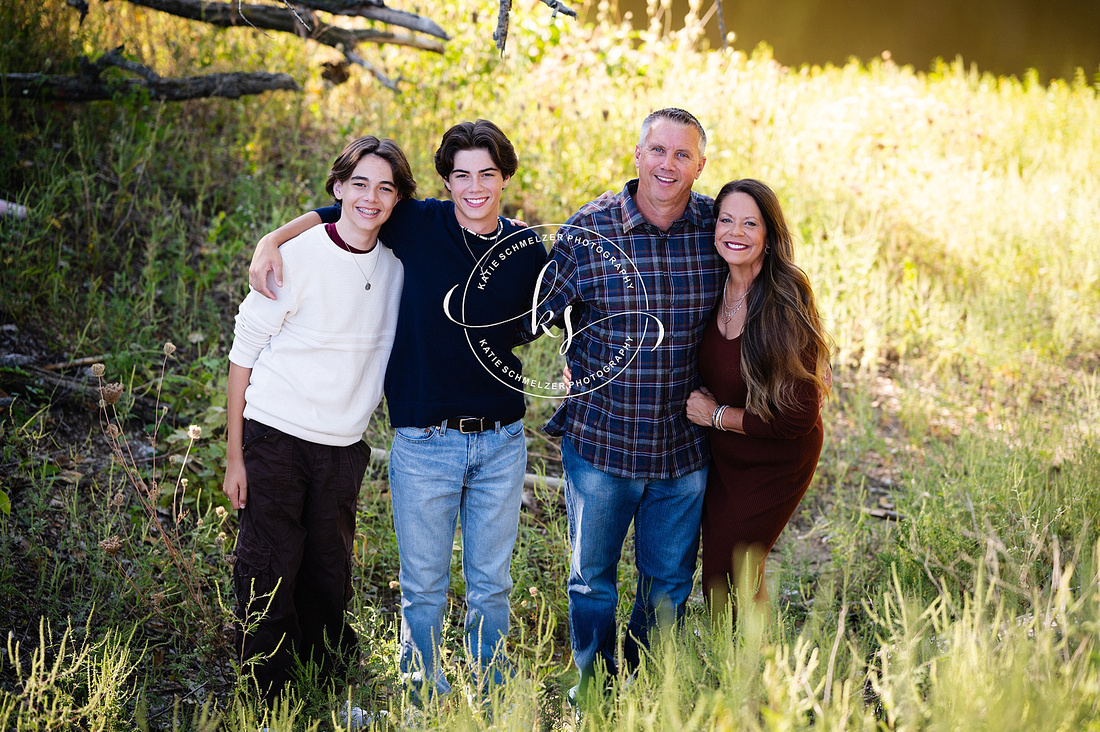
[(619, 275)]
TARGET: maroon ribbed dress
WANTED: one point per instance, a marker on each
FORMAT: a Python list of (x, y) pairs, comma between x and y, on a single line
[(757, 479)]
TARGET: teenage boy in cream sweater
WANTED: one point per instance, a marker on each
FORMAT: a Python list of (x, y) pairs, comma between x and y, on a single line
[(306, 373)]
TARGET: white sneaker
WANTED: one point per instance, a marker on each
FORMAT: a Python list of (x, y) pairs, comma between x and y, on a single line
[(354, 718), (574, 705)]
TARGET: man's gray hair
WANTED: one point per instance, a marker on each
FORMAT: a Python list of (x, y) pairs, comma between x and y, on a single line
[(681, 116)]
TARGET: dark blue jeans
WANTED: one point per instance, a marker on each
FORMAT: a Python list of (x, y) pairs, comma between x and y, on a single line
[(601, 507), (294, 548)]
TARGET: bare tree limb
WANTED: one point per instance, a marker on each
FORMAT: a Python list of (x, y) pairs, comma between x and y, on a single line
[(500, 35), (77, 388), (344, 7), (721, 22), (285, 20), (336, 37), (85, 89), (289, 19), (355, 58), (81, 6), (376, 10), (86, 361), (559, 7), (293, 16), (115, 58), (405, 20)]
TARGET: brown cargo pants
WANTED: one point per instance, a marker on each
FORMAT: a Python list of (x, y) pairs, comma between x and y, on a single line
[(292, 576)]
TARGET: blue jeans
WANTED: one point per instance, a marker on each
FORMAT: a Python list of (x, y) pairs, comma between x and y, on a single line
[(437, 475), (666, 516)]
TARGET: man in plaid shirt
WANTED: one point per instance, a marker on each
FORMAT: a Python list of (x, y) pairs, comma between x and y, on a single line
[(633, 278)]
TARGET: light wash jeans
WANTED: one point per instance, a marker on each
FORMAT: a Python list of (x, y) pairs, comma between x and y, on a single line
[(436, 476), (666, 516)]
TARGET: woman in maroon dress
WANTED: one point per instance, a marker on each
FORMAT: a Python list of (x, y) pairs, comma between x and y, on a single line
[(764, 362)]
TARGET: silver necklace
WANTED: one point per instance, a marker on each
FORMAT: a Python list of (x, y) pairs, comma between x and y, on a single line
[(728, 311), (484, 237), (355, 258)]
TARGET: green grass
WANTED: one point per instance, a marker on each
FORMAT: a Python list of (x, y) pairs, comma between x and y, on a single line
[(948, 222)]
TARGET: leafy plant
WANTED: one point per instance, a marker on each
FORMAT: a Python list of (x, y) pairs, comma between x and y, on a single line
[(178, 535)]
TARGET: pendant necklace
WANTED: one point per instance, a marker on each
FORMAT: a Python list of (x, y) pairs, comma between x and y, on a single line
[(355, 258), (728, 311)]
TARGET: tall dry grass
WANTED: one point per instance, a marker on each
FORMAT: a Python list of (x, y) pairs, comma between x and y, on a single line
[(947, 220)]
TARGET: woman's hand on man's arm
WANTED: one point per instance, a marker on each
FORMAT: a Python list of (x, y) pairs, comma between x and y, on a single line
[(700, 407)]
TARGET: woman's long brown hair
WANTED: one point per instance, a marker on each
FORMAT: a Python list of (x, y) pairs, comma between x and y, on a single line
[(784, 343)]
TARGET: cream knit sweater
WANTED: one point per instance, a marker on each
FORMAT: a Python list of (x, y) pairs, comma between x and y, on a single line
[(318, 354)]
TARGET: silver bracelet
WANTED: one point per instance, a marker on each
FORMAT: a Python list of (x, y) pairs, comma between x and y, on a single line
[(716, 418)]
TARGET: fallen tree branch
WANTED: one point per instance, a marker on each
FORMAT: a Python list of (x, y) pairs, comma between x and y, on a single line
[(337, 37), (384, 80), (89, 86), (344, 7), (559, 7), (79, 389), (286, 20), (376, 10), (82, 89), (500, 35), (722, 30), (86, 361), (81, 6)]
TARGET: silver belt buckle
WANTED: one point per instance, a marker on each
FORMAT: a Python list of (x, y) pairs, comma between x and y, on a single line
[(475, 423)]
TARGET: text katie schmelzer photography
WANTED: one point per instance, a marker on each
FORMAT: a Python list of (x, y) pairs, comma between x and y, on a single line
[(622, 333)]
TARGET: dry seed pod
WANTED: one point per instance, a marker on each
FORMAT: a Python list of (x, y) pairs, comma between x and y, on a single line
[(110, 393)]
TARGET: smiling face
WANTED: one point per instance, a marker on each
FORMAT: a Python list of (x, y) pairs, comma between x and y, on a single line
[(740, 235), (367, 200), (475, 184), (668, 163)]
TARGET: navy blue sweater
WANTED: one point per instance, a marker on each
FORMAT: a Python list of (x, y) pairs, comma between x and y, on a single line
[(439, 369)]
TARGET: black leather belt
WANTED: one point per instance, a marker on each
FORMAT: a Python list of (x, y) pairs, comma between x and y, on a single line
[(469, 425)]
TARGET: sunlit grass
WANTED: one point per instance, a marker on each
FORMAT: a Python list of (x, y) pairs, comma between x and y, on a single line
[(948, 221), (960, 661)]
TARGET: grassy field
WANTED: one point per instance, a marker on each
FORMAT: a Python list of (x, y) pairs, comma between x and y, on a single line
[(944, 569)]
